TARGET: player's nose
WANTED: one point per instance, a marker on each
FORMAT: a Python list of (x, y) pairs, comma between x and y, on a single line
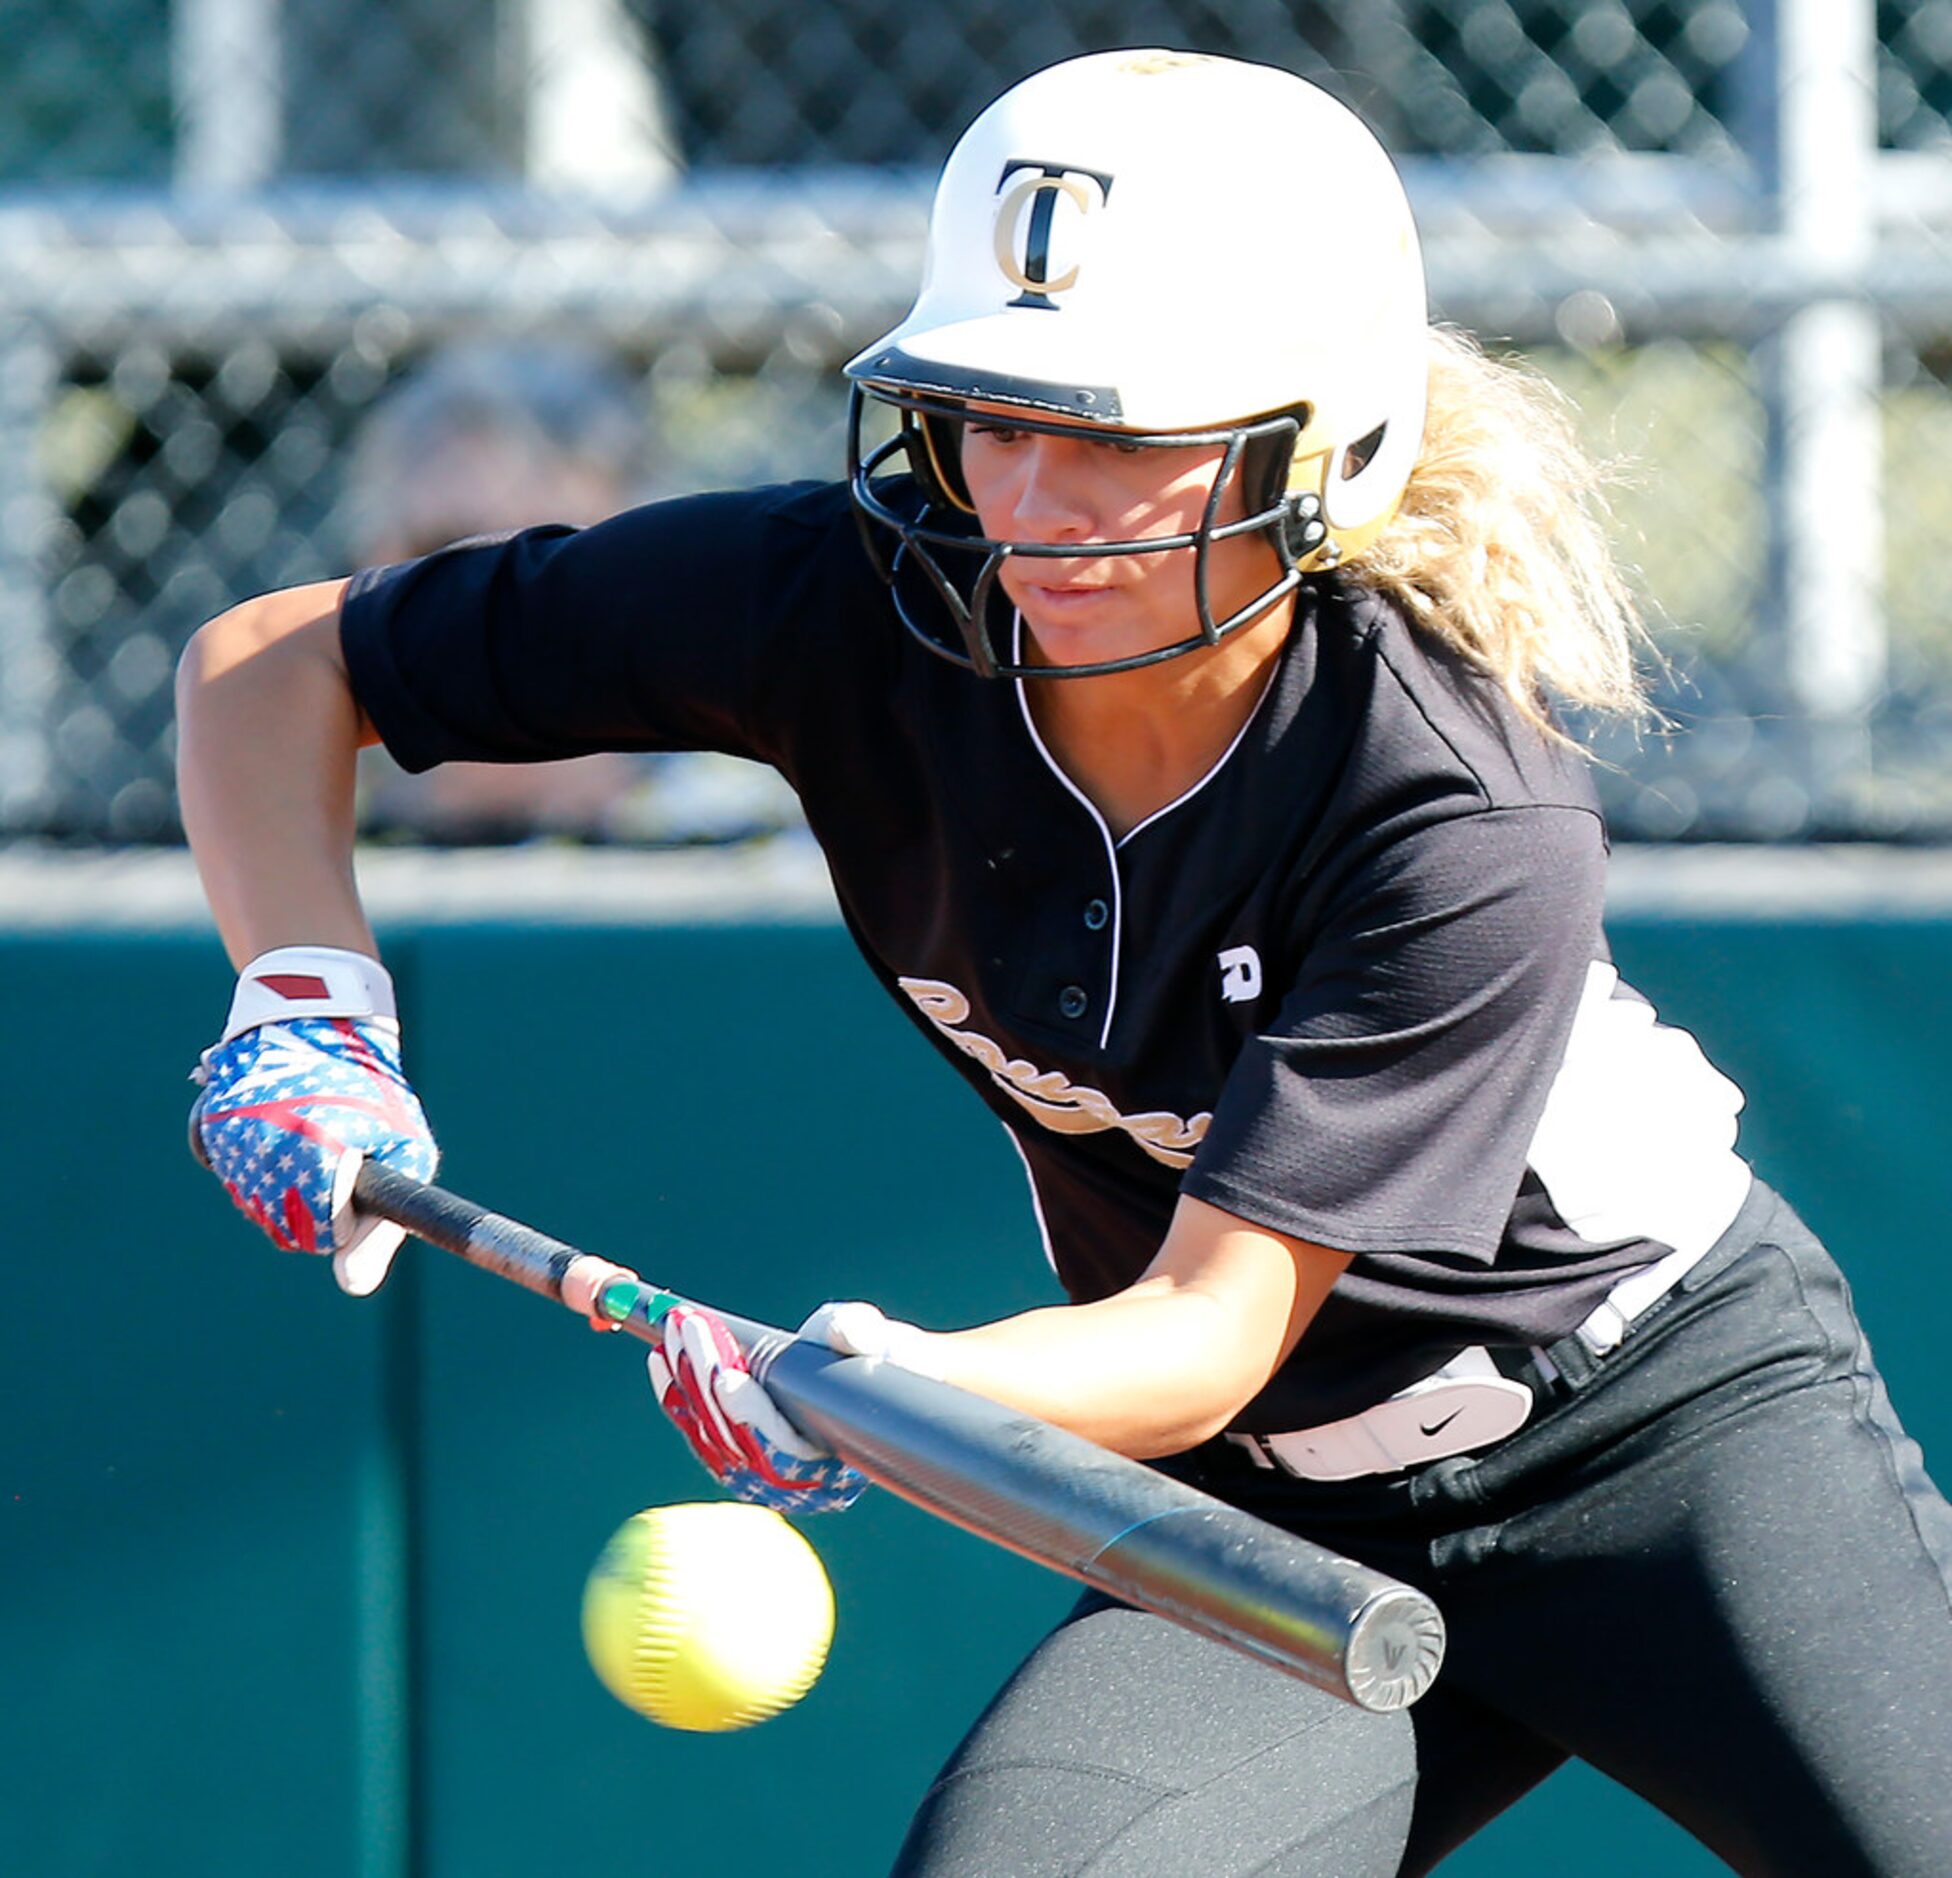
[(1051, 501)]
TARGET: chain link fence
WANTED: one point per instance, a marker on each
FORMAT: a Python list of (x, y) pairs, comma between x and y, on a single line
[(231, 232)]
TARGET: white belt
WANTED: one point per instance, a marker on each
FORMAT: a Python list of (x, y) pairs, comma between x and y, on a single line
[(1462, 1407), (1635, 1296)]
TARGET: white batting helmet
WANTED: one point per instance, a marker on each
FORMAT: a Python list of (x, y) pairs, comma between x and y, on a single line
[(1180, 248)]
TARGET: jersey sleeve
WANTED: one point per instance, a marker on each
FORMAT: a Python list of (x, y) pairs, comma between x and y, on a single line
[(669, 627), (1391, 1104)]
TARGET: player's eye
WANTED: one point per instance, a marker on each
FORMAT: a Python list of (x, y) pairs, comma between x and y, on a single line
[(996, 433)]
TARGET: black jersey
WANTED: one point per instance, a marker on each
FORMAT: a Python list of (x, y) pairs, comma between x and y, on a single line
[(1351, 986)]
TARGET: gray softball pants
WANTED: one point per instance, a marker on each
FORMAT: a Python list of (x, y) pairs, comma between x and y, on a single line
[(1713, 1567)]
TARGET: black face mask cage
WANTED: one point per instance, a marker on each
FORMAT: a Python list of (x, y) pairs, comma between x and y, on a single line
[(962, 620)]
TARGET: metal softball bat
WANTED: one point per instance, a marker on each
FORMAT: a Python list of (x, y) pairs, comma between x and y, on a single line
[(1007, 1477)]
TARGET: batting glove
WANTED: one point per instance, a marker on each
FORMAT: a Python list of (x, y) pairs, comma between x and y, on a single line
[(858, 1329), (735, 1428), (739, 1432), (302, 1088)]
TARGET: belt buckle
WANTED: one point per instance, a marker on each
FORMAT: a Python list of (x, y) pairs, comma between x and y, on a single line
[(1606, 1329)]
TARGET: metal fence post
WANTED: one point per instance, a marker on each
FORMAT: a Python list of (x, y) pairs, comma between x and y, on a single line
[(1826, 470), (594, 116), (227, 71)]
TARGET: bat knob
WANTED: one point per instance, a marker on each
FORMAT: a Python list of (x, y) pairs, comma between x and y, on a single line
[(586, 1280), (1395, 1648)]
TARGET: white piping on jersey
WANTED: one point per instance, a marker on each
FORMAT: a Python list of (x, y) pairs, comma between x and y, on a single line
[(1220, 762), (1637, 1140), (1091, 808), (1036, 1200)]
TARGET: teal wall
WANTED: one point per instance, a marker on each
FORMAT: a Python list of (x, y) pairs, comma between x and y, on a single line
[(289, 1582)]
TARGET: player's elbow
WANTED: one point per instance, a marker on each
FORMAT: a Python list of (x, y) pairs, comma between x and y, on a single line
[(300, 620), (1225, 1363), (263, 660), (1179, 1436), (1236, 1297), (220, 647)]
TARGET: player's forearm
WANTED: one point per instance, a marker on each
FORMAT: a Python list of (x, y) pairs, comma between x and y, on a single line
[(268, 736), (1154, 1370)]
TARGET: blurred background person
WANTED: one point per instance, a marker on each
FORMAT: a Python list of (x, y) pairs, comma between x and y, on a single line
[(481, 440)]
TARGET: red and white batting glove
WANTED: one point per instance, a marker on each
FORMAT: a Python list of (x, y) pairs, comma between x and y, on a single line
[(302, 1087), (735, 1428), (739, 1432)]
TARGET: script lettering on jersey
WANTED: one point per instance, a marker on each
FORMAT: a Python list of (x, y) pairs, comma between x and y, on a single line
[(1061, 1105)]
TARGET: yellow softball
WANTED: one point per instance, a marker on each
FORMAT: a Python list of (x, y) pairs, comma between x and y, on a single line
[(708, 1616)]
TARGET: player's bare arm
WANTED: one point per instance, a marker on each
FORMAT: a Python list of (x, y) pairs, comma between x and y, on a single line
[(304, 1083), (1168, 1362), (269, 731)]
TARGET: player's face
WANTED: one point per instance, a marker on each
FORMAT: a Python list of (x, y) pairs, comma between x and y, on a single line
[(1034, 487)]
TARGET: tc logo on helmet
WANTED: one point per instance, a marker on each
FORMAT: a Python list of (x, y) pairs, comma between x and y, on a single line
[(1025, 257)]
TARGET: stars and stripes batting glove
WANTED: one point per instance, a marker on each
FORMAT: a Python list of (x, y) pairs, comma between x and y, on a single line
[(735, 1428), (303, 1086)]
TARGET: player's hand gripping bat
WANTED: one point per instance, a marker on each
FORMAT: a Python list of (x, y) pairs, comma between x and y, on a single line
[(1049, 1495)]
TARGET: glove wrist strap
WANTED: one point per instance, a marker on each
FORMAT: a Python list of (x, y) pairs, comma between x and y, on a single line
[(291, 982)]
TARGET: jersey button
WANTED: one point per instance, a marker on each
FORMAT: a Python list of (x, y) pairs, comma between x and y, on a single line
[(1072, 1001), (1096, 913)]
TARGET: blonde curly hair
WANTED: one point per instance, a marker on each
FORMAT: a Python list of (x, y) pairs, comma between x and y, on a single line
[(1501, 547)]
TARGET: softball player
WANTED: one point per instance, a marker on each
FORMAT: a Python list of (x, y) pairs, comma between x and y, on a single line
[(1167, 687)]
